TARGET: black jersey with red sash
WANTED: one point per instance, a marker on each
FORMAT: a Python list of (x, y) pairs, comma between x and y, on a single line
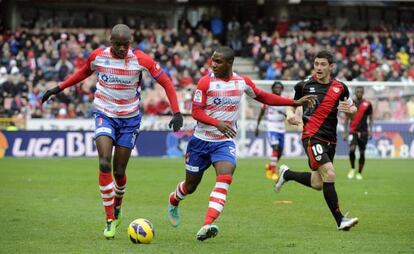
[(359, 120), (320, 122)]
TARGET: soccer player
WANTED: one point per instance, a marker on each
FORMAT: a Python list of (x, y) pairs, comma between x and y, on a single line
[(118, 70), (360, 130), (319, 134), (275, 117), (216, 105)]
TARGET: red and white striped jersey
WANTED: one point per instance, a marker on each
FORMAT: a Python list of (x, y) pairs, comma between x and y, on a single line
[(118, 88), (220, 99), (275, 118)]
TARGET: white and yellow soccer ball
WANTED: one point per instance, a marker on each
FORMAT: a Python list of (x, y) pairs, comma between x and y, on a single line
[(141, 231)]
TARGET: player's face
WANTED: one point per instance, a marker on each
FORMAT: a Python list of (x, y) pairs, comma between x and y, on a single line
[(322, 69), (277, 90), (221, 67), (359, 93), (120, 46)]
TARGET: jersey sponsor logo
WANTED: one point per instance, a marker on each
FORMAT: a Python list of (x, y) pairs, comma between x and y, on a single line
[(198, 96), (103, 130), (225, 101), (217, 101), (107, 62), (114, 79), (191, 168)]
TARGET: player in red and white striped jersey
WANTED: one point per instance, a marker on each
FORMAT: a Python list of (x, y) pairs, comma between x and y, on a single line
[(275, 120), (119, 70), (216, 106)]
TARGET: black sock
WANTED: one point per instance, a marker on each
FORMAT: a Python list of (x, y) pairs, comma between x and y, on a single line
[(300, 177), (361, 161), (352, 158), (331, 199)]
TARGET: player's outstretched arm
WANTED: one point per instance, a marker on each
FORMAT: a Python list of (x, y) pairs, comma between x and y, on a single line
[(74, 79), (259, 119)]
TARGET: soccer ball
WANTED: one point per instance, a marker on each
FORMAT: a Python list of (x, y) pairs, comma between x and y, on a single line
[(141, 231)]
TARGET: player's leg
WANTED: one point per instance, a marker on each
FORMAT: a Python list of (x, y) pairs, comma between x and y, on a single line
[(327, 172), (120, 162), (104, 147), (224, 161), (362, 144), (352, 139), (125, 140), (197, 161), (270, 167), (305, 178)]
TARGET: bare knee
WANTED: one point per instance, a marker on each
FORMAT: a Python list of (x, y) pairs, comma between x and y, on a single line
[(105, 164)]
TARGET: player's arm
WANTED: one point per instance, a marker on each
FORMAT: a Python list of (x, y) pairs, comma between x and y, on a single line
[(83, 73), (159, 75), (371, 121), (291, 116), (346, 125), (274, 99), (346, 104), (259, 119), (199, 105)]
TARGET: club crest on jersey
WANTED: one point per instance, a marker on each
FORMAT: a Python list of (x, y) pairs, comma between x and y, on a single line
[(318, 158), (198, 97), (336, 89), (106, 62)]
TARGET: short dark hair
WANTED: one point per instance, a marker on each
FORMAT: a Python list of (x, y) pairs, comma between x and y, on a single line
[(325, 54), (360, 87), (227, 53), (277, 83)]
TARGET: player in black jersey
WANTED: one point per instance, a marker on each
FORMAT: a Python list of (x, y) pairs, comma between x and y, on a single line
[(319, 133), (360, 130)]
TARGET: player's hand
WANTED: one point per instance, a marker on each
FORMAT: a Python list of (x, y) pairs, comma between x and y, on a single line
[(344, 135), (309, 100), (345, 107), (293, 120), (226, 129), (256, 132), (51, 92), (176, 122)]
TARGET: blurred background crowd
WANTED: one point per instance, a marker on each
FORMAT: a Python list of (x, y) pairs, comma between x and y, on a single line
[(44, 51)]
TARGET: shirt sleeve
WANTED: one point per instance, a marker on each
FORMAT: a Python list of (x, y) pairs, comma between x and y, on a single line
[(264, 97), (150, 64), (345, 94), (158, 74), (84, 72), (298, 91), (200, 101)]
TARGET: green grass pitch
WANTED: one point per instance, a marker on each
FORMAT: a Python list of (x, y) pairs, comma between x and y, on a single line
[(53, 206)]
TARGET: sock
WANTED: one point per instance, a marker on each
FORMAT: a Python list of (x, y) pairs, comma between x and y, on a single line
[(119, 187), (217, 198), (361, 161), (300, 177), (331, 199), (352, 158), (107, 193), (179, 194), (273, 161)]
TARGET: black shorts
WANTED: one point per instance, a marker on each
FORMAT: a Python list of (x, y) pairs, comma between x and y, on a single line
[(319, 152), (358, 139)]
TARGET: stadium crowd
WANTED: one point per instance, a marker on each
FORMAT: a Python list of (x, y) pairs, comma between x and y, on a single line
[(36, 59)]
